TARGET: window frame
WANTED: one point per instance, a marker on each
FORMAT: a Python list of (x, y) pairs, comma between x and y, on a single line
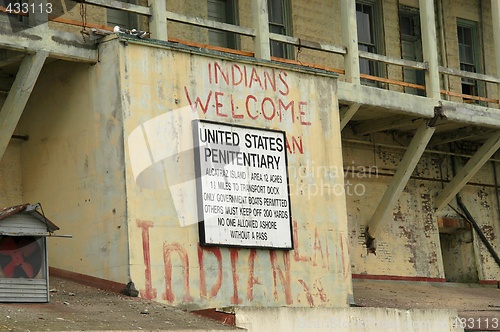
[(476, 46), (287, 50), (416, 37), (377, 31), (231, 17)]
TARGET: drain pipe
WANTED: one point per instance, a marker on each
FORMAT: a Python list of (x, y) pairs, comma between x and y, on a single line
[(471, 219)]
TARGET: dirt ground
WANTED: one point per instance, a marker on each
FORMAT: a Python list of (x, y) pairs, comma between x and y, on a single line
[(76, 307)]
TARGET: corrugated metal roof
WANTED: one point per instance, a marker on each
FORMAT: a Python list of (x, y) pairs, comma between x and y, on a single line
[(31, 209)]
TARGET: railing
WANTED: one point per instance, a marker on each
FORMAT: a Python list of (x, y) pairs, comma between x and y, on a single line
[(156, 7)]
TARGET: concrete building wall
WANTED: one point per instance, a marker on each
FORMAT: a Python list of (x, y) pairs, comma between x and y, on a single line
[(73, 164), (409, 243), (167, 263), (10, 176)]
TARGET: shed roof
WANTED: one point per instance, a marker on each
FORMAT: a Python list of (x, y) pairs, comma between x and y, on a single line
[(31, 209)]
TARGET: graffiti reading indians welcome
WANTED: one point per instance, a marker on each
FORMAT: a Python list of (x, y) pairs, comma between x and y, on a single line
[(242, 186), (245, 95)]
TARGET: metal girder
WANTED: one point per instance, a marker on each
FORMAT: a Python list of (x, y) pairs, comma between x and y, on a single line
[(18, 96), (468, 171), (373, 126), (405, 169), (347, 113)]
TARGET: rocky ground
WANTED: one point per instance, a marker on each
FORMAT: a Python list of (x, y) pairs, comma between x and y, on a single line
[(75, 307)]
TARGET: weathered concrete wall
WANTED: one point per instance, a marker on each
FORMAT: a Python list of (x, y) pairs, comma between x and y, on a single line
[(73, 164), (10, 175), (346, 319), (459, 257), (409, 242), (167, 263)]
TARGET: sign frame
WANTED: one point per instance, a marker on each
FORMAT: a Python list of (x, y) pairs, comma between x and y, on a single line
[(289, 241)]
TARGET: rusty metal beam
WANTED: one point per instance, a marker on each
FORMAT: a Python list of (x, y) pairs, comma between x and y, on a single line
[(405, 169), (18, 96), (347, 113), (468, 171)]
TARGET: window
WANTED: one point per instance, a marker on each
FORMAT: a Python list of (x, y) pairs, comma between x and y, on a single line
[(279, 22), (369, 33), (222, 11), (468, 51), (411, 47), (122, 18)]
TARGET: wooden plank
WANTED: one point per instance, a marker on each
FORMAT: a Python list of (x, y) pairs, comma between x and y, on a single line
[(211, 47), (201, 22), (18, 96), (468, 171), (461, 95), (398, 182), (468, 74), (389, 81), (120, 5), (393, 61)]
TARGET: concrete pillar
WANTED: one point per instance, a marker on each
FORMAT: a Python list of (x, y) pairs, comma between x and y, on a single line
[(429, 48), (350, 40), (261, 26), (158, 21), (398, 182), (18, 96), (495, 15)]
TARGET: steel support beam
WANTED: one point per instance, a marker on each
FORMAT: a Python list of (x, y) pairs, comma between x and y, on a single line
[(18, 96), (468, 171), (347, 113), (405, 169)]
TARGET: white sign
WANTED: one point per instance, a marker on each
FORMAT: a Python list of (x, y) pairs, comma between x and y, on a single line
[(242, 186)]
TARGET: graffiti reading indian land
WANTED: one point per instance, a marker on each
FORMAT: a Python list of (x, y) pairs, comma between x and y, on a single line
[(242, 185)]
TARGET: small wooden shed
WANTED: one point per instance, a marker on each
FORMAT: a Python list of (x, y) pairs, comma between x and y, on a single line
[(24, 269)]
